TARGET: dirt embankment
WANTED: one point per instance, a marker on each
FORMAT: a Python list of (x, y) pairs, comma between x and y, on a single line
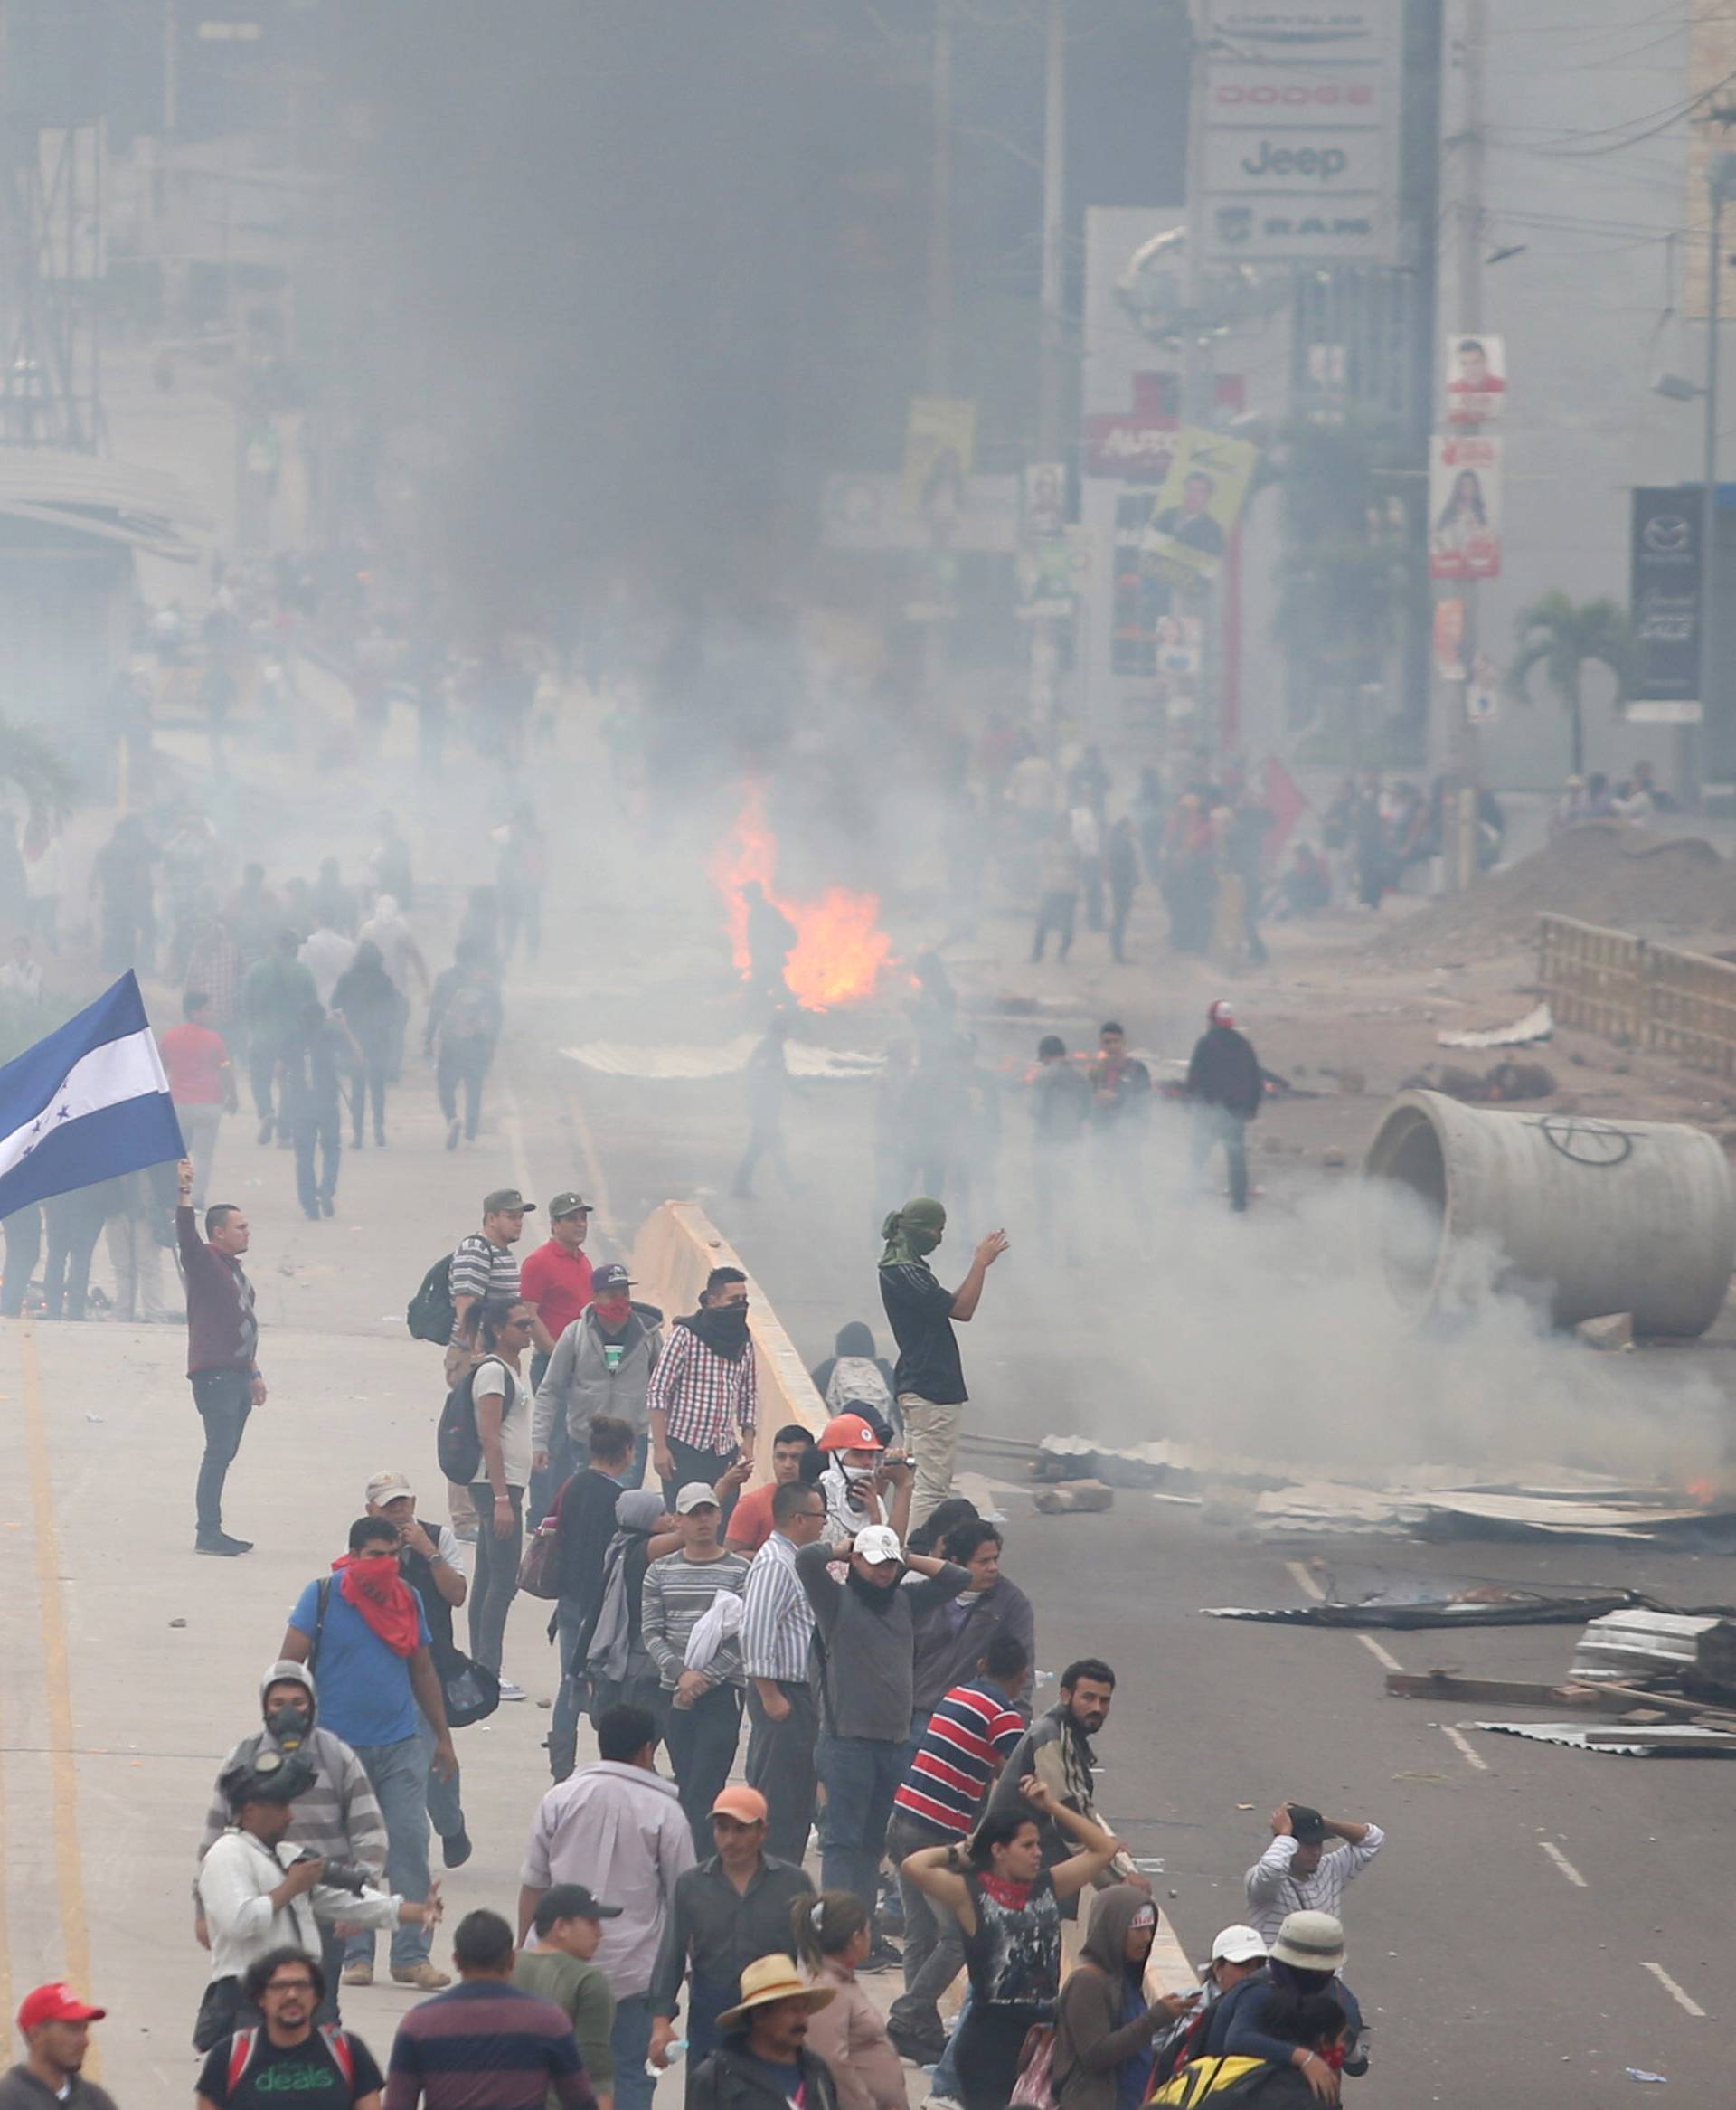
[(1658, 888)]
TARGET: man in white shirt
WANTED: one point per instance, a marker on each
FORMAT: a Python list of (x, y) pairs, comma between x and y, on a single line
[(257, 1895), (1297, 1874), (326, 954), (618, 1828)]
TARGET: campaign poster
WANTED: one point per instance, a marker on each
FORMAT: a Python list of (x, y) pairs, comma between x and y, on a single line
[(1464, 507), (1476, 379), (940, 443), (1199, 502), (1045, 499)]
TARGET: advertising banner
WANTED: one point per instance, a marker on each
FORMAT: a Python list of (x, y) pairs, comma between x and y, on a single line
[(1299, 147), (1464, 507), (1663, 560), (940, 440), (1198, 502)]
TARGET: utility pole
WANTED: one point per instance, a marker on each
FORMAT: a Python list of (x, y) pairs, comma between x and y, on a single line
[(1459, 821), (1047, 631), (934, 656), (1198, 398)]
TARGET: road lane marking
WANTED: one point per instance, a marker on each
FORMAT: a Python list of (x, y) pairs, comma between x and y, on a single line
[(1673, 1989), (75, 1931), (1464, 1746), (590, 1166), (1383, 1657), (1563, 1864), (1305, 1582)]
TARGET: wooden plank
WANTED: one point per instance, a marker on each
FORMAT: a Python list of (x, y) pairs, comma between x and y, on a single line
[(1446, 1685), (1618, 1699)]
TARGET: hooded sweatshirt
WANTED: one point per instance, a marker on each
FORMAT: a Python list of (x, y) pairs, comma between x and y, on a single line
[(579, 1383), (339, 1816), (1103, 2020)]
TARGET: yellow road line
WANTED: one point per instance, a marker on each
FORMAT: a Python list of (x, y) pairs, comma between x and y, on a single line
[(68, 1860)]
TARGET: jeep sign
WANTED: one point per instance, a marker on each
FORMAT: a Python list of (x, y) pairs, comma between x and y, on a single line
[(1299, 158)]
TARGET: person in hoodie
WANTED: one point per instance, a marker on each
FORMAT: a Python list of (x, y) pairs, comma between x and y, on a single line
[(855, 1375), (584, 1514), (617, 1666), (702, 1401), (1104, 2024), (600, 1370), (337, 1817), (1225, 1084), (367, 1000)]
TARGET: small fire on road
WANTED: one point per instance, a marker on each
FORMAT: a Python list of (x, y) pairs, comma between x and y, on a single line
[(839, 948)]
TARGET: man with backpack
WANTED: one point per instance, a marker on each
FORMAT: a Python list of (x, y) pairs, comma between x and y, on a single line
[(463, 1019), (364, 1632), (600, 1370), (255, 2069)]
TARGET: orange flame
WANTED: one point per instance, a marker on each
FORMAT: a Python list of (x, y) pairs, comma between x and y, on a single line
[(840, 948), (1700, 1492)]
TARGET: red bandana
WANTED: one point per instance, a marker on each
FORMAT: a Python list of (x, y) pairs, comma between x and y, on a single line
[(377, 1589)]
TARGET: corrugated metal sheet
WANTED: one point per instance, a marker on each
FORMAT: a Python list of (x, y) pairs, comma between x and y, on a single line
[(1638, 1644), (1657, 1742)]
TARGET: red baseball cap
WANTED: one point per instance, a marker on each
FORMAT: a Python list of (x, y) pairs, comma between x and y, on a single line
[(56, 2003)]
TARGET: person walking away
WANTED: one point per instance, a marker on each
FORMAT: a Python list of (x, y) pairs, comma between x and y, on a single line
[(702, 1401), (294, 2051), (697, 1650), (432, 1564), (833, 1941), (370, 1008), (332, 901), (463, 1028), (866, 1644), (23, 1237), (1008, 1905), (1057, 892), (524, 873), (1121, 866), (767, 1087), (600, 1370), (274, 997), (252, 916), (488, 2041), (387, 929), (336, 1816), (1225, 1085), (855, 1374), (929, 1378), (326, 952), (617, 1665), (55, 2025), (222, 1350), (1120, 1113), (1061, 1105), (730, 1910), (777, 1627), (313, 1063), (751, 1522), (75, 1222), (1105, 2027), (584, 1515), (140, 1228), (1085, 832), (616, 1827), (772, 938), (762, 2060), (377, 1684), (950, 1641), (257, 1894), (1297, 1874), (567, 1923), (968, 1738), (389, 863), (501, 1403), (202, 1084), (122, 878)]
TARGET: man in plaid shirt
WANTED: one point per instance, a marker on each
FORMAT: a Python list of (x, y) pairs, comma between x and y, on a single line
[(702, 1398)]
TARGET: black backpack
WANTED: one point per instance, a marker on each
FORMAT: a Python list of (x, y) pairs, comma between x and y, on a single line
[(430, 1313), (456, 1442)]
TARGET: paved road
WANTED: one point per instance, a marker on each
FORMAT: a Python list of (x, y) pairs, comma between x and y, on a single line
[(1495, 1970)]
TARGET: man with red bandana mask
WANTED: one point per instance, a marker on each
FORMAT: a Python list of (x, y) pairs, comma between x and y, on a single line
[(1225, 1084), (600, 1370)]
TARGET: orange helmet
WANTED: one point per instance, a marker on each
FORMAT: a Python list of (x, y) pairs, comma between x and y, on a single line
[(850, 1431)]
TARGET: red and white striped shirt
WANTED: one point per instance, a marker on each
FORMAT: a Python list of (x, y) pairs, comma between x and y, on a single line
[(955, 1762)]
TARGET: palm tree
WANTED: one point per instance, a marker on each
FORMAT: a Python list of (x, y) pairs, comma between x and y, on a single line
[(35, 768), (1564, 637)]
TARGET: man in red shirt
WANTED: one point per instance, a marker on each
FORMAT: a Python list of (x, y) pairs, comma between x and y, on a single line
[(556, 1278), (750, 1521), (202, 1084)]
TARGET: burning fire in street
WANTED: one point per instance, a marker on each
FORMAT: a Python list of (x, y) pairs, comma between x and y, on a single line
[(839, 948)]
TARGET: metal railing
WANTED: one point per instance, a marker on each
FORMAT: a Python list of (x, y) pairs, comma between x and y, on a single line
[(1639, 995)]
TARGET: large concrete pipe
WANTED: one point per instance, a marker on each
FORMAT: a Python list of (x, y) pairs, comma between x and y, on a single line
[(1595, 1215)]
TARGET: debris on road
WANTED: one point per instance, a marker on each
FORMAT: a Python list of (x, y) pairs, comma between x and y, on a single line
[(1482, 1605), (1537, 1025), (1677, 1739), (1643, 1642), (1077, 1497), (1614, 1332)]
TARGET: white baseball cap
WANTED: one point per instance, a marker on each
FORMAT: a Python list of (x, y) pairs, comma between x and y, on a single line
[(385, 1486), (878, 1542), (695, 1495), (1239, 1944)]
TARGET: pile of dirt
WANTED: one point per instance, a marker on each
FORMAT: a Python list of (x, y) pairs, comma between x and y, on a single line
[(1657, 887)]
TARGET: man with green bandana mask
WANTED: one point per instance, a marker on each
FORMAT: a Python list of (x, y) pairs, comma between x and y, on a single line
[(929, 1379)]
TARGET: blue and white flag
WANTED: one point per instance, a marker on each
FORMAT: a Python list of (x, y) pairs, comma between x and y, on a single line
[(87, 1103)]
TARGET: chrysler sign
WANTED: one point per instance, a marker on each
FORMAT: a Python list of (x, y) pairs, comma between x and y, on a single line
[(1299, 157)]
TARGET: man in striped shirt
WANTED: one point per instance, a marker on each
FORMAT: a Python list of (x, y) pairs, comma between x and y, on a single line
[(777, 1626), (486, 2045), (969, 1737), (700, 1673), (1297, 1874), (702, 1400)]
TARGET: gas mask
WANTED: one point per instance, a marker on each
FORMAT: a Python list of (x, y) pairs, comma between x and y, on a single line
[(291, 1726)]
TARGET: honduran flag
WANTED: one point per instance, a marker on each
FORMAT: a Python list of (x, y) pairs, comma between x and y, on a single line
[(87, 1103)]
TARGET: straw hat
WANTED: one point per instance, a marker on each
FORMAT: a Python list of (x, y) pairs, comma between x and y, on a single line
[(771, 1979)]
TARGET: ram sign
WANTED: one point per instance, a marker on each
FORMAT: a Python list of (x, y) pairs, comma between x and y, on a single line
[(1300, 150)]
